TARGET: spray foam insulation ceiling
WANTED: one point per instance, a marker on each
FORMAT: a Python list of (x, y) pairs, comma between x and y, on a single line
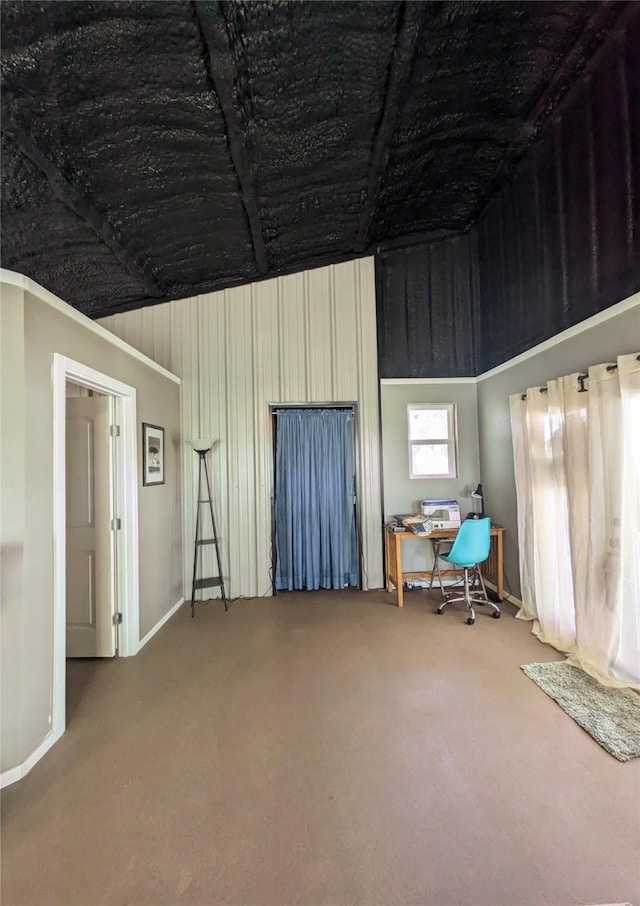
[(157, 150)]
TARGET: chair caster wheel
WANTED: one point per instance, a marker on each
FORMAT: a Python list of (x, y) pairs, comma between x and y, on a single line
[(470, 621), (439, 612), (496, 614)]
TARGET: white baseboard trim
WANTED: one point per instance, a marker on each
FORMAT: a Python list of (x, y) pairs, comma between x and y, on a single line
[(160, 623), (12, 775), (511, 598), (17, 773)]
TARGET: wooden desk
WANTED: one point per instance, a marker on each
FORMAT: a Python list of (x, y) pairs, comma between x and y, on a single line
[(492, 569)]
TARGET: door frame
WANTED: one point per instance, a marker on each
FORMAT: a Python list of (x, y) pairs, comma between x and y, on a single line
[(125, 472)]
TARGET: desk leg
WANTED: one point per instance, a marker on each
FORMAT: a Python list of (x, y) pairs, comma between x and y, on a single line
[(393, 549), (399, 588), (500, 582), (435, 549)]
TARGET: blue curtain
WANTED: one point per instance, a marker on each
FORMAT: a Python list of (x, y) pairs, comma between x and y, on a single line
[(314, 513)]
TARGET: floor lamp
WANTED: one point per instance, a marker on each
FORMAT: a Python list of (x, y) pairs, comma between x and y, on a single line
[(201, 446)]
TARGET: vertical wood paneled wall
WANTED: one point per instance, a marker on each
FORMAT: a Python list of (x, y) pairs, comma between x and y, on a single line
[(309, 337), (561, 242), (557, 244), (428, 309)]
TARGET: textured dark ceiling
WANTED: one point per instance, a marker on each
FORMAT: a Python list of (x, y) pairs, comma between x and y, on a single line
[(155, 150)]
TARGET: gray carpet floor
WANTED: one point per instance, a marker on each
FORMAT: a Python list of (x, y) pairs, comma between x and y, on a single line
[(318, 749)]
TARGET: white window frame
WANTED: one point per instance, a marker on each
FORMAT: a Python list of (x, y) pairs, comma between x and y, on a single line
[(451, 442)]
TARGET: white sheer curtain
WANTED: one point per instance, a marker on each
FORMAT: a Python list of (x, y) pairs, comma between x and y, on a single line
[(577, 471)]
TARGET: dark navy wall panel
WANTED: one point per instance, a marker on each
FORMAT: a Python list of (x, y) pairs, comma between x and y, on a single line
[(426, 304), (562, 241), (558, 244)]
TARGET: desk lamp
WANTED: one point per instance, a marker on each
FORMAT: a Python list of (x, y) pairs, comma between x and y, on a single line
[(477, 503)]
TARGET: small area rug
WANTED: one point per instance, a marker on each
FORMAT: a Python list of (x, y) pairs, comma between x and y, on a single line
[(611, 716)]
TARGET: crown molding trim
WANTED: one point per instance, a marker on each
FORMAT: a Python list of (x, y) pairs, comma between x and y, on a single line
[(44, 295)]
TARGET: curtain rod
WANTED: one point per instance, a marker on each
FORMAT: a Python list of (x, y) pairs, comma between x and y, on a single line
[(581, 379), (282, 407)]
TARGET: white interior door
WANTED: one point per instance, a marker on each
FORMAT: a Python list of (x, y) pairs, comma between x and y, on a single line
[(90, 628)]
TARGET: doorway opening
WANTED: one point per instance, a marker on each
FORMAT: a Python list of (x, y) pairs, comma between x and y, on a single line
[(95, 527), (316, 539)]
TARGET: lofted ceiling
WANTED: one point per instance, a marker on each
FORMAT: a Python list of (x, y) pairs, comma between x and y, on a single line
[(156, 150)]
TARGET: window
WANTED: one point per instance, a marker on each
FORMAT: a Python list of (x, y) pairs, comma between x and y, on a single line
[(432, 440)]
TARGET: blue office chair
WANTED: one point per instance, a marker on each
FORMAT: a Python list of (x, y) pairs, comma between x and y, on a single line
[(470, 549)]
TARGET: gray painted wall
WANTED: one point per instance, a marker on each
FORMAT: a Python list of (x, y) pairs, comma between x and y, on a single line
[(31, 331), (616, 333), (402, 494), (12, 518)]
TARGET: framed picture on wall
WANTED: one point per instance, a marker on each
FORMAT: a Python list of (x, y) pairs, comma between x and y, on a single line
[(152, 454)]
